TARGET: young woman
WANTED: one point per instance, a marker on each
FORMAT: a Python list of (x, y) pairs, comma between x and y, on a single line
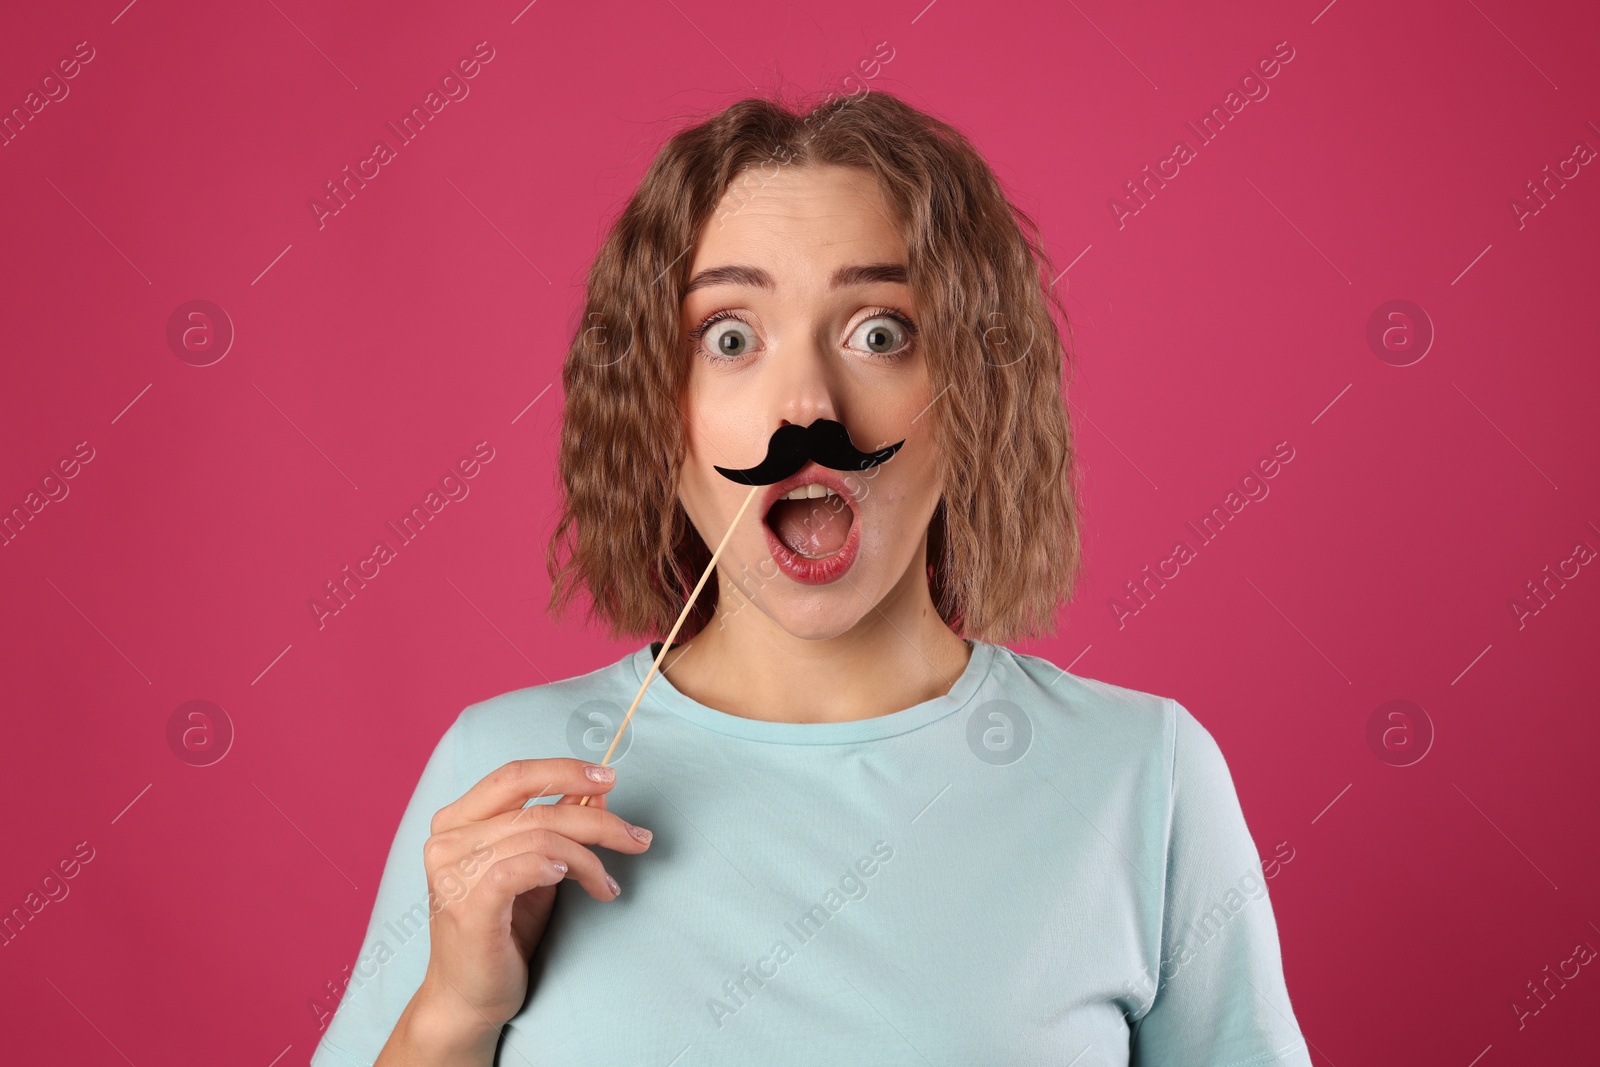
[(879, 835)]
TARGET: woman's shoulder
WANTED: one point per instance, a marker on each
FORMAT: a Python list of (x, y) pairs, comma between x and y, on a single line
[(559, 717), (1118, 721), (1041, 681), (1120, 730)]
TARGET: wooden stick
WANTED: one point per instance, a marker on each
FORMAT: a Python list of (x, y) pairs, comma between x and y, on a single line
[(684, 614)]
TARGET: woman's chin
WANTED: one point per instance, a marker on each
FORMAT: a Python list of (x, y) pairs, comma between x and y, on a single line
[(821, 612), (823, 623)]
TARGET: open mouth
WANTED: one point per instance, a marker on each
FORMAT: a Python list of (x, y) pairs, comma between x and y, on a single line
[(812, 521)]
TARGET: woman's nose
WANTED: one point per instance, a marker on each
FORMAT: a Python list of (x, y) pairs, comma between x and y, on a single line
[(805, 386)]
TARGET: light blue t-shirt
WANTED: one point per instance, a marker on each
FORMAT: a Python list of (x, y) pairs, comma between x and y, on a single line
[(1033, 869)]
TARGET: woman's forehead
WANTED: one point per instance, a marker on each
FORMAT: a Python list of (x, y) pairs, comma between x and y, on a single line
[(802, 206), (817, 237)]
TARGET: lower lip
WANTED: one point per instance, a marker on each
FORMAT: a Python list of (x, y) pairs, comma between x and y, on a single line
[(815, 571)]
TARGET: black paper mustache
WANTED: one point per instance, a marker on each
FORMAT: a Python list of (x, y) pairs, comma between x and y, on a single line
[(791, 447)]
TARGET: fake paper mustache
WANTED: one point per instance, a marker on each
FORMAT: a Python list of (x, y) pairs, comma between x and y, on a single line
[(791, 447)]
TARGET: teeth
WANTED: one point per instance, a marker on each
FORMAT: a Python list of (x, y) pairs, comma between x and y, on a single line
[(808, 492)]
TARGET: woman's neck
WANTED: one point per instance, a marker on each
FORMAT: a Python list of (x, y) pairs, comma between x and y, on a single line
[(899, 654)]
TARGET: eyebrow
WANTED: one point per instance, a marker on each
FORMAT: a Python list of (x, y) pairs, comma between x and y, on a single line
[(755, 277)]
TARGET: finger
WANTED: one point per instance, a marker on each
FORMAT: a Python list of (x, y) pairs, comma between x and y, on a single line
[(506, 878), (583, 866), (597, 800), (585, 825), (513, 784)]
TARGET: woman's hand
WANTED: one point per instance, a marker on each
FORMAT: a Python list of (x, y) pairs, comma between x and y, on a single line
[(493, 867)]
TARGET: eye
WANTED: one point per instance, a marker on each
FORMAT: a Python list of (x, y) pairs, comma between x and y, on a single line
[(886, 333), (730, 336)]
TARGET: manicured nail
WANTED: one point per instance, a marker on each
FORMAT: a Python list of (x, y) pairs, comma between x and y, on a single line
[(639, 833), (597, 773), (558, 865), (615, 888)]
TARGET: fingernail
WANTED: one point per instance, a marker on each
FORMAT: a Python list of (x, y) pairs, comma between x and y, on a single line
[(615, 888), (640, 833), (597, 773), (558, 865)]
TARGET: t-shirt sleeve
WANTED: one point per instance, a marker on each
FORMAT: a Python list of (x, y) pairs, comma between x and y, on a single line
[(394, 954), (1220, 998)]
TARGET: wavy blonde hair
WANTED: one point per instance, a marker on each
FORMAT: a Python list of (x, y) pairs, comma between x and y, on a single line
[(1003, 548)]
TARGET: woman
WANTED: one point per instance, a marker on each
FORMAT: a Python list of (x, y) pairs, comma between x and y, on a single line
[(879, 836)]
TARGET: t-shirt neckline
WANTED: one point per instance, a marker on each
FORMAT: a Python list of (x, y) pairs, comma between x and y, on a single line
[(665, 695)]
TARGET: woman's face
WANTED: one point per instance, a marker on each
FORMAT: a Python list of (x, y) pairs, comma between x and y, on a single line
[(802, 331)]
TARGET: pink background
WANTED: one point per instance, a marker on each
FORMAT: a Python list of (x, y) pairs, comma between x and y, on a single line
[(431, 313)]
